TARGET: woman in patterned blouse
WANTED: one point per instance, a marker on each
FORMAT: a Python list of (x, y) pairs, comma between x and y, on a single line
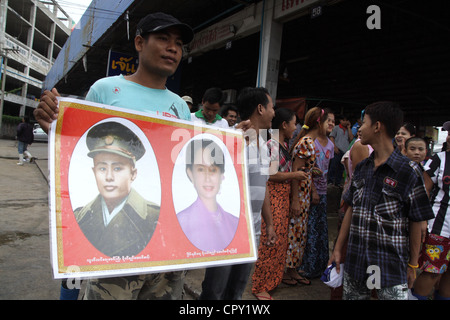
[(304, 155)]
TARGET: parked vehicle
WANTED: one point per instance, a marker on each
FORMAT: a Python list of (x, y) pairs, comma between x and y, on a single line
[(39, 134)]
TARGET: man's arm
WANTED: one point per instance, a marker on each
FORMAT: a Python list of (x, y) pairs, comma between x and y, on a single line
[(358, 153), (244, 125), (419, 212), (342, 239), (283, 176), (350, 133), (415, 239), (428, 183)]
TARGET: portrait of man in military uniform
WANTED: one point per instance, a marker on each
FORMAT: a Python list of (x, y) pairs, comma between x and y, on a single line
[(118, 221)]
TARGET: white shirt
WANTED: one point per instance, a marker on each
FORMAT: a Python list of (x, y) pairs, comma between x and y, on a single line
[(438, 168), (107, 217), (221, 123)]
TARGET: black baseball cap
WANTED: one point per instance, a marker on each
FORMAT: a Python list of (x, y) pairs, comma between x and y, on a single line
[(158, 21)]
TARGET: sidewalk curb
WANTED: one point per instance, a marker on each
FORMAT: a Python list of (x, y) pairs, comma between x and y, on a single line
[(42, 172), (35, 163)]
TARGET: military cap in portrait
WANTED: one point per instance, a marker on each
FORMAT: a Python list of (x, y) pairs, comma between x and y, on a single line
[(114, 137)]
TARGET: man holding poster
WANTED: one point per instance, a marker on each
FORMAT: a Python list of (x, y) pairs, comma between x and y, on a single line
[(229, 282), (159, 42)]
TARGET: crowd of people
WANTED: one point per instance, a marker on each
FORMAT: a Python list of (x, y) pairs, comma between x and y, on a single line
[(389, 193), (322, 154)]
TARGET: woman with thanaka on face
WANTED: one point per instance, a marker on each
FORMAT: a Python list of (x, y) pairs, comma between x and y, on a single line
[(271, 261), (406, 131), (304, 154), (205, 223)]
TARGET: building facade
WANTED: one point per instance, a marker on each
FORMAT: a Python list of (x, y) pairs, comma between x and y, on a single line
[(339, 54), (32, 34)]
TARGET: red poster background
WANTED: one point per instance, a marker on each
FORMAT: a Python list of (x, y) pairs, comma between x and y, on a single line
[(168, 245)]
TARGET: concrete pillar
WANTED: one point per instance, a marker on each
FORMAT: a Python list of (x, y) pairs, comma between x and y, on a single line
[(23, 107), (33, 26), (52, 41), (270, 50), (3, 11)]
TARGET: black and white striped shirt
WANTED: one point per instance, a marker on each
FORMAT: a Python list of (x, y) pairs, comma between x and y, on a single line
[(438, 168)]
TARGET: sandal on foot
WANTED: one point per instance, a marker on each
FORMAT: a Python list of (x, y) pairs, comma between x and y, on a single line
[(289, 281), (303, 281), (263, 296)]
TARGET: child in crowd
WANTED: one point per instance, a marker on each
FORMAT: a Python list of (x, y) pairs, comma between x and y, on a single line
[(416, 150), (435, 254), (387, 203)]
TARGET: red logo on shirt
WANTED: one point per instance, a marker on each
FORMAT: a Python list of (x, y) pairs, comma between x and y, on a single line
[(166, 114), (116, 90), (390, 182)]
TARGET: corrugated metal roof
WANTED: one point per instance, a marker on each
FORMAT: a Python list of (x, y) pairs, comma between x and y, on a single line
[(98, 18)]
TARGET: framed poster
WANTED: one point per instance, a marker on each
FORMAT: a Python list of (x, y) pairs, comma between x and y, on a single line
[(132, 193)]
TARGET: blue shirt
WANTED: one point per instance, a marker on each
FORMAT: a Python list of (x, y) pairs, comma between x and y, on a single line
[(384, 200), (119, 92)]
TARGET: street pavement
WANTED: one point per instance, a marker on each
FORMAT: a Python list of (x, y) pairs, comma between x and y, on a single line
[(25, 266)]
